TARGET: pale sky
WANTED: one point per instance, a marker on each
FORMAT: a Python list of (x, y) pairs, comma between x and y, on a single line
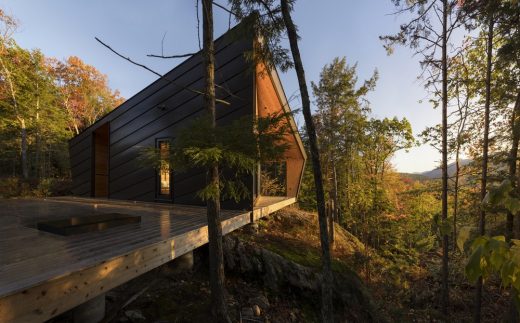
[(62, 28)]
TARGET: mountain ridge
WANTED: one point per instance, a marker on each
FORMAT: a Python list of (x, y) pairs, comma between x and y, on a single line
[(436, 173)]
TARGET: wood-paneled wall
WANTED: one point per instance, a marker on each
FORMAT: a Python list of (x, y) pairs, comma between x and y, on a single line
[(270, 99)]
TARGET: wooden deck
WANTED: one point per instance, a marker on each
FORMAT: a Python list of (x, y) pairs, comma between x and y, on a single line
[(43, 274)]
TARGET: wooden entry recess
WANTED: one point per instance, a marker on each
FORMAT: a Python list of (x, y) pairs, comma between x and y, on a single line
[(100, 158)]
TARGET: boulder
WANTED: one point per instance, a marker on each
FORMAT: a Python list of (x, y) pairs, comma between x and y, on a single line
[(277, 272)]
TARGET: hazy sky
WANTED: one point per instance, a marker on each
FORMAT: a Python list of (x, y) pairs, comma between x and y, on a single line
[(350, 28)]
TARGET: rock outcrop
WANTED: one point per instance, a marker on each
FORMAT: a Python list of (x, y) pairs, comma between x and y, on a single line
[(352, 300)]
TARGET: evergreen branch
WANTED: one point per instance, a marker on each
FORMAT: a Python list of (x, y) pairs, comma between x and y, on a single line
[(268, 9)]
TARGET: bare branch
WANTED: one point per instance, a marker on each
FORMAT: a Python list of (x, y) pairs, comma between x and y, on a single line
[(421, 16), (162, 43), (156, 73), (172, 56), (225, 9), (198, 22), (400, 11)]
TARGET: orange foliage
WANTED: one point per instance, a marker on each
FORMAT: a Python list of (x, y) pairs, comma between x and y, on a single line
[(85, 93)]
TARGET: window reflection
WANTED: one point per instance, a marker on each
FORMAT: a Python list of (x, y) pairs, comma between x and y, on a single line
[(164, 172)]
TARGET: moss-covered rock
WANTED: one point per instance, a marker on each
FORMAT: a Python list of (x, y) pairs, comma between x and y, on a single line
[(277, 272)]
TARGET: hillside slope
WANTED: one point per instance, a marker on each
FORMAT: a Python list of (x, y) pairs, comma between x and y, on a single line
[(294, 234), (285, 253)]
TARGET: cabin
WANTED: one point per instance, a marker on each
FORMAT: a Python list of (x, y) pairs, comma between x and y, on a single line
[(105, 157)]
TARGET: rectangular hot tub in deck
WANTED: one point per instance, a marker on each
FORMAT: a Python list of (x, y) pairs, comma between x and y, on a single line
[(90, 223)]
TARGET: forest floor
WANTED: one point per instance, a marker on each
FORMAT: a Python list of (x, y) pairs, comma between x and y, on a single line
[(409, 294), (185, 297)]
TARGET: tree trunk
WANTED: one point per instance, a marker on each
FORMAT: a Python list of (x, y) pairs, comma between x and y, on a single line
[(327, 310), (334, 203), (37, 154), (456, 193), (37, 157), (445, 292), (216, 259), (348, 184), (23, 134), (335, 193), (463, 113), (330, 215), (485, 148), (513, 156)]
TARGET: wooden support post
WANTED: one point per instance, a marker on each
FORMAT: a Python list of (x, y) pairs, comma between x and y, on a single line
[(182, 263), (92, 311)]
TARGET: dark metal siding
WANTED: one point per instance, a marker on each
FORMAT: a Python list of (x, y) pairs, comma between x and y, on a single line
[(159, 111)]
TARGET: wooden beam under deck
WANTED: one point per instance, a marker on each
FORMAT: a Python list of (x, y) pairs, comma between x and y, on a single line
[(43, 275)]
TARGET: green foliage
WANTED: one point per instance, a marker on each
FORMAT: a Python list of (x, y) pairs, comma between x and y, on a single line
[(494, 255), (501, 196), (38, 105), (263, 18), (490, 255), (442, 226), (465, 235), (355, 152), (16, 187), (307, 197), (44, 188)]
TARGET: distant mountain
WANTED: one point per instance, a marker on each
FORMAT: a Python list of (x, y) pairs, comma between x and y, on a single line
[(437, 173), (415, 176)]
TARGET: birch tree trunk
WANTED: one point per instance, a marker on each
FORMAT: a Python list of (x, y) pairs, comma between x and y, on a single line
[(23, 137)]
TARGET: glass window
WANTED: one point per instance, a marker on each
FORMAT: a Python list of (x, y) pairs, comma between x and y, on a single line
[(164, 171), (273, 178)]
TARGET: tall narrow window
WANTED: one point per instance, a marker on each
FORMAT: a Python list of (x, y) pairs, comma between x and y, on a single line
[(164, 174)]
